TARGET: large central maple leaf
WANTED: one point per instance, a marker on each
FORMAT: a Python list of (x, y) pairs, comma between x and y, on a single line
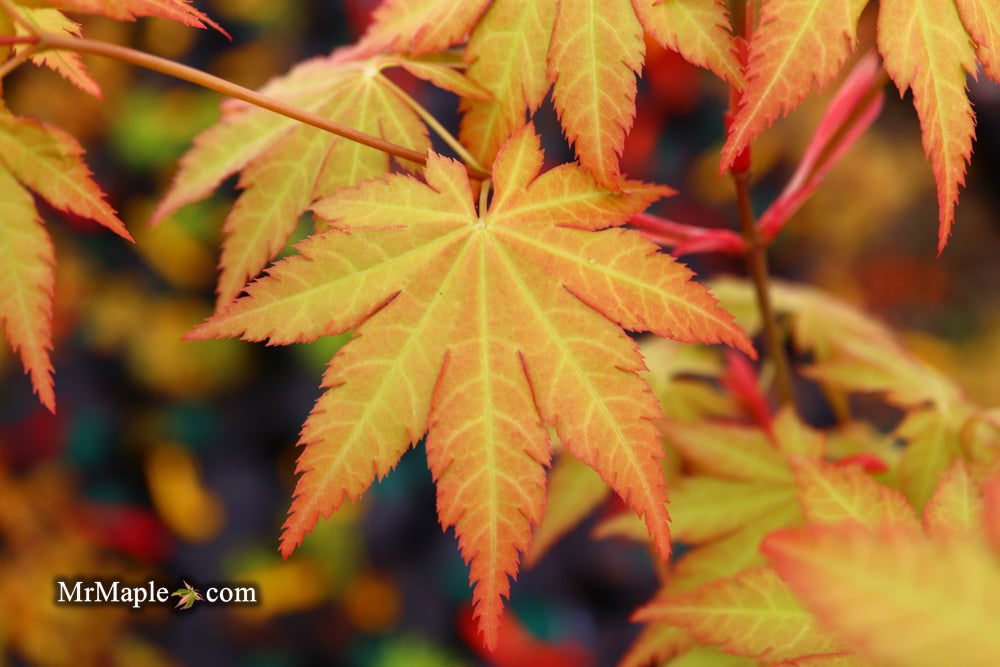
[(478, 328)]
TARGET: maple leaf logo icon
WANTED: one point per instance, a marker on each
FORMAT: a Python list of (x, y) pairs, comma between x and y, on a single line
[(188, 596)]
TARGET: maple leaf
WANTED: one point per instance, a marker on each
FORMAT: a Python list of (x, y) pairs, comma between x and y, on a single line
[(478, 327), (831, 494), (66, 63), (982, 19), (590, 51), (26, 283), (731, 452), (48, 161), (753, 614), (506, 54), (932, 438), (928, 47), (404, 26), (188, 596), (706, 508), (900, 598), (597, 49), (956, 509), (129, 10), (656, 643), (857, 354), (285, 166), (739, 477), (798, 43)]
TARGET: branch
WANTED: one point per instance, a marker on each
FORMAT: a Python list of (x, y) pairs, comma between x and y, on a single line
[(756, 248), (219, 85), (756, 256)]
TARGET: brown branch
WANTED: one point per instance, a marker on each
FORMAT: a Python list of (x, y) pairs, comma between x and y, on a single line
[(756, 248), (219, 85), (756, 257)]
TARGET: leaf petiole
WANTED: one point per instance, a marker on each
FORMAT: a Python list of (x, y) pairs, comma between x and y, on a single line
[(433, 123)]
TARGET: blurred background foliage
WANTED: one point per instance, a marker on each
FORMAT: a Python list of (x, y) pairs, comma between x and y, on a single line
[(173, 459)]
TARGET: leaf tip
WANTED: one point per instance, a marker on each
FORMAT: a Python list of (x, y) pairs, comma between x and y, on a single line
[(200, 332)]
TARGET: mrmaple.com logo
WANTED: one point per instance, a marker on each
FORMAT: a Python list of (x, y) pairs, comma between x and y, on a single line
[(81, 592)]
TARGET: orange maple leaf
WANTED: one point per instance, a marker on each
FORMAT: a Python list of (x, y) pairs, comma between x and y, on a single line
[(928, 47), (589, 51), (478, 327), (129, 10), (47, 161)]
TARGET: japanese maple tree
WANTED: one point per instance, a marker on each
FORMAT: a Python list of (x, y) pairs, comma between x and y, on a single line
[(491, 302)]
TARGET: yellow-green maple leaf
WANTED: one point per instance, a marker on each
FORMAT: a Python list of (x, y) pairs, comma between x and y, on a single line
[(898, 597), (597, 49), (956, 509), (753, 614), (982, 19), (285, 166), (831, 494), (49, 162), (656, 643), (479, 327)]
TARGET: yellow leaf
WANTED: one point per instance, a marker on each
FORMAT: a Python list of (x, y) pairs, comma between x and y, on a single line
[(732, 452), (982, 19), (706, 508), (287, 166), (455, 320), (697, 29), (752, 614), (830, 494), (956, 508), (66, 63), (899, 598)]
